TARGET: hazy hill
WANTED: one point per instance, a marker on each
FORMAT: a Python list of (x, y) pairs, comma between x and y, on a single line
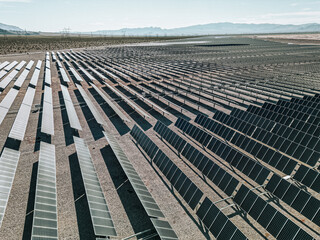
[(10, 27), (215, 28)]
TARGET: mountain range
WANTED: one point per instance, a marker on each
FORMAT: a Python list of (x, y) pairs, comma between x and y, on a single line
[(215, 28), (205, 29)]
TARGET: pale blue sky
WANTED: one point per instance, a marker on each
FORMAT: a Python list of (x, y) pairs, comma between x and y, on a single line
[(82, 15)]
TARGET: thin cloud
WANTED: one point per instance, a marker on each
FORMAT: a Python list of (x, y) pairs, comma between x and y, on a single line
[(302, 13), (15, 1)]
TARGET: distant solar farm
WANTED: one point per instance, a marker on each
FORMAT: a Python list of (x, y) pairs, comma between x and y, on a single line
[(202, 138)]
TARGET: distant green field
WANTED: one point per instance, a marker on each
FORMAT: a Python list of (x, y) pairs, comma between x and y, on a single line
[(21, 44)]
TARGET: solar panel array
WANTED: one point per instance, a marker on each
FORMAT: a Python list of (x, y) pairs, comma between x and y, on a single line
[(99, 211), (240, 162), (251, 168), (142, 192), (186, 188), (8, 160), (72, 115), (267, 216), (47, 124), (45, 216), (212, 171), (20, 123)]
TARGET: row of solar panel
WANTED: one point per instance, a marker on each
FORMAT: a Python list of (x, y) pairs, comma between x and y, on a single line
[(246, 165), (5, 82), (251, 169), (298, 127), (251, 146), (307, 176), (298, 151), (99, 211), (302, 106), (295, 197), (186, 188), (45, 219), (292, 121), (216, 174), (7, 67), (268, 217), (147, 201), (296, 111), (8, 162)]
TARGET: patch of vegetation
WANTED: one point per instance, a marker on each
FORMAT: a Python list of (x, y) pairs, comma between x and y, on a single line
[(26, 43)]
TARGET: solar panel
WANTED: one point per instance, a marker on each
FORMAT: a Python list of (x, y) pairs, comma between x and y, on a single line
[(20, 123), (8, 162), (5, 82), (72, 114), (99, 211), (2, 65), (222, 182), (186, 188), (300, 201), (91, 106), (20, 65), (217, 223), (96, 72), (75, 74), (2, 73), (47, 77), (35, 75), (45, 219), (47, 123), (30, 64), (7, 102), (10, 66), (64, 75), (20, 80), (143, 98), (110, 103), (87, 73), (134, 106), (246, 165), (266, 215), (163, 227)]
